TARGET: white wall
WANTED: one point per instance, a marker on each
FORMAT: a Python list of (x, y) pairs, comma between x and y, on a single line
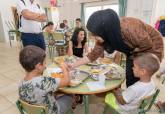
[(158, 10), (6, 15), (141, 9)]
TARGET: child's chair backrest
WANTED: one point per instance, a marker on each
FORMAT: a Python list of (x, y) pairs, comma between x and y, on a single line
[(31, 109), (58, 35), (148, 102)]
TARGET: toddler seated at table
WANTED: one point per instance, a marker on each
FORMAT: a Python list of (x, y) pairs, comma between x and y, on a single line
[(39, 90), (128, 101)]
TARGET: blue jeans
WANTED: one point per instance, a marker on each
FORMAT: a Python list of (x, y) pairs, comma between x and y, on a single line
[(33, 39)]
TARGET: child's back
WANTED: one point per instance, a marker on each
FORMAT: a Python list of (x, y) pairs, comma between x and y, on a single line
[(39, 91), (134, 94), (145, 66)]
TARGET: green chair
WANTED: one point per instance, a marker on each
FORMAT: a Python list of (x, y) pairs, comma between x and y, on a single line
[(144, 107), (123, 61), (51, 47), (26, 108), (148, 102)]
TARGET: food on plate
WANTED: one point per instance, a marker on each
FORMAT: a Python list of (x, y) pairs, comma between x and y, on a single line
[(95, 71), (77, 77), (57, 75), (105, 60), (113, 73), (74, 82)]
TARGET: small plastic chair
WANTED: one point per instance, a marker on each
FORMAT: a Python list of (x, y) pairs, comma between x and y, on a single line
[(30, 109), (26, 108), (148, 102), (144, 107), (51, 47)]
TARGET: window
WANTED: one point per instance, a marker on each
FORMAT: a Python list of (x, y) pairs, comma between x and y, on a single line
[(91, 9), (115, 7)]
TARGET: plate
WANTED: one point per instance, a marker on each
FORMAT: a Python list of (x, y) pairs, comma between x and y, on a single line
[(77, 77), (113, 73), (67, 59), (95, 63)]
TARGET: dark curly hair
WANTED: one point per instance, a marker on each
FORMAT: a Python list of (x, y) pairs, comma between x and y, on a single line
[(75, 37), (30, 56)]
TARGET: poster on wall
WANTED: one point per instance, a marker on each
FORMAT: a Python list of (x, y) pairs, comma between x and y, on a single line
[(53, 3)]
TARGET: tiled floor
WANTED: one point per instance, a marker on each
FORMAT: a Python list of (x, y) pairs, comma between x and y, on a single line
[(11, 73)]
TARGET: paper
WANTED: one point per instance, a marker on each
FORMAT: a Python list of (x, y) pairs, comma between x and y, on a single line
[(93, 86)]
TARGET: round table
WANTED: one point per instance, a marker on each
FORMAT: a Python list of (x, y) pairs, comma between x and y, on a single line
[(85, 91)]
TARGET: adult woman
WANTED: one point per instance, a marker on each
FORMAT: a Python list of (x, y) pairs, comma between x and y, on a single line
[(49, 27), (78, 43), (128, 35)]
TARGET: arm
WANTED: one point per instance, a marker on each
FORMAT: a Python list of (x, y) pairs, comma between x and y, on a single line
[(92, 56), (66, 79), (119, 97), (33, 16), (70, 50), (86, 49)]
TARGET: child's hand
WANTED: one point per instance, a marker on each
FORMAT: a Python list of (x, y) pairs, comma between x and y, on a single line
[(64, 66)]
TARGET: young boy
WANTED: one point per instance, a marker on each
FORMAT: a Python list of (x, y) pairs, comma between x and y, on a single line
[(40, 90), (128, 101)]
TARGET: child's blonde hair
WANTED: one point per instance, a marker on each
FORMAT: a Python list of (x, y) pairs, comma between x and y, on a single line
[(148, 61)]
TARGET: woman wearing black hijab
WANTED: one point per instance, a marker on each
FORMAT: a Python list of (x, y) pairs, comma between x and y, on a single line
[(128, 35)]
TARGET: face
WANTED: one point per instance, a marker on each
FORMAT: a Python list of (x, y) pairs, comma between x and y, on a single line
[(138, 72), (78, 23), (51, 27), (81, 35), (41, 67), (97, 38)]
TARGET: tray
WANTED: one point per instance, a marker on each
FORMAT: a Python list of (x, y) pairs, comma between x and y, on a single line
[(111, 73), (66, 59), (78, 76)]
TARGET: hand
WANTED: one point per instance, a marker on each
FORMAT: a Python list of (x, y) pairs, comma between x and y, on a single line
[(64, 66), (116, 90), (42, 17), (70, 66)]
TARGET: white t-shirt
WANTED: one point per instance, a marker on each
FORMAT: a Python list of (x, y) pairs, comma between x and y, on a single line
[(134, 94), (29, 26)]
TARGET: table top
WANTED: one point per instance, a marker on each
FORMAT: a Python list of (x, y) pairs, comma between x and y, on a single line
[(83, 89)]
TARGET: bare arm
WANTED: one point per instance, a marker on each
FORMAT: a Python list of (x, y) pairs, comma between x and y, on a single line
[(119, 97), (92, 56), (86, 48), (33, 16), (66, 79), (70, 50)]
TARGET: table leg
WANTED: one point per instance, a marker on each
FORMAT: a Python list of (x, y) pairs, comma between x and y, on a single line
[(86, 104)]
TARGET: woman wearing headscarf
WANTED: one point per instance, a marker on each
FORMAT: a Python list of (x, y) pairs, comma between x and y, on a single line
[(129, 35)]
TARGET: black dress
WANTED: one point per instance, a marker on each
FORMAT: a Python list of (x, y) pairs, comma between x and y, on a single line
[(78, 51)]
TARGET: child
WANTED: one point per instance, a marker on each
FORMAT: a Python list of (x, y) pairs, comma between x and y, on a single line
[(145, 66), (39, 90)]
